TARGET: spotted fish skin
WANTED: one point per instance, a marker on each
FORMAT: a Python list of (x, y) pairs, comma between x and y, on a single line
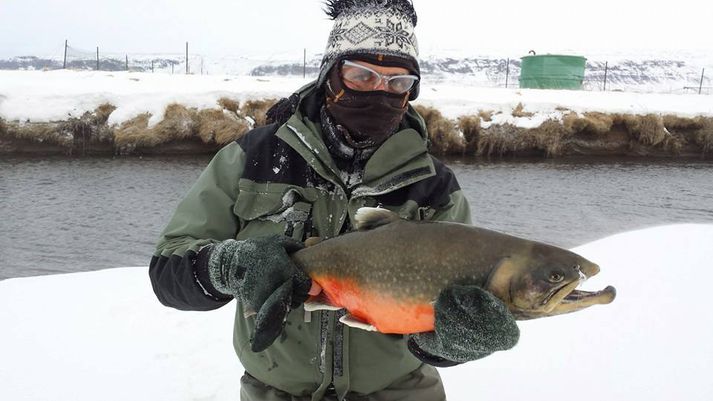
[(390, 273)]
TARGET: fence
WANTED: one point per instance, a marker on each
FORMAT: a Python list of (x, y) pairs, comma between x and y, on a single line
[(662, 76)]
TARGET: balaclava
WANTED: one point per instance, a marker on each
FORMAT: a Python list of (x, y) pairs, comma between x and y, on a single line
[(379, 32)]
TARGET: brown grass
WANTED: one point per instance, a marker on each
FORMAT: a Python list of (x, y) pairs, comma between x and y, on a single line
[(133, 133), (442, 132), (486, 115), (39, 132), (470, 127), (231, 119), (648, 129), (519, 111), (220, 127), (591, 123), (676, 123), (181, 123), (704, 136), (229, 104), (498, 140), (256, 109)]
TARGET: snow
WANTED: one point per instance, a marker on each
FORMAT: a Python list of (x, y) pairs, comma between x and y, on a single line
[(40, 96), (103, 335)]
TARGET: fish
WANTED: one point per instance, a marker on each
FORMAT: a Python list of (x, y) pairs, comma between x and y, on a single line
[(388, 272)]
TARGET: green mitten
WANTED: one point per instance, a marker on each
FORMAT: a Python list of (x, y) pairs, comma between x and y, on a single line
[(471, 323), (260, 273)]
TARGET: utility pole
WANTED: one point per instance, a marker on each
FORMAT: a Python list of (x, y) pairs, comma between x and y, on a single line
[(304, 65), (127, 62), (152, 66), (606, 70), (186, 58), (64, 65), (507, 73), (97, 58), (700, 87)]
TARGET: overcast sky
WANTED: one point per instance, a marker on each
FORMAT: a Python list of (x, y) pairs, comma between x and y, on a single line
[(265, 27)]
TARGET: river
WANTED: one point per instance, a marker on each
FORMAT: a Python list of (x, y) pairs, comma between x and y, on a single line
[(62, 215)]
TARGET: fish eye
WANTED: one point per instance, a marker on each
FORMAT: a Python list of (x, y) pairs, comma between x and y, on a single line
[(556, 277)]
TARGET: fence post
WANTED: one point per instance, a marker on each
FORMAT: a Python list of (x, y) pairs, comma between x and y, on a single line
[(64, 65), (507, 72), (186, 58), (304, 64), (701, 85), (97, 58), (606, 70)]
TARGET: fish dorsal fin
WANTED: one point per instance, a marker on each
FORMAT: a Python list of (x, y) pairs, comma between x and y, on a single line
[(367, 218), (352, 321)]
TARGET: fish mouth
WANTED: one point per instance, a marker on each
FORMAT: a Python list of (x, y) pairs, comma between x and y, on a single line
[(568, 298)]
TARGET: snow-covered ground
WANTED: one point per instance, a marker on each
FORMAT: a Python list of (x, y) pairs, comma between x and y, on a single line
[(56, 95), (103, 335)]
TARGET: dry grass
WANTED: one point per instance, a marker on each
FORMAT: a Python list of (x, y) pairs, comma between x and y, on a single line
[(133, 133), (498, 140), (179, 123), (676, 123), (229, 104), (47, 133), (220, 127), (229, 121), (648, 129), (470, 127), (704, 136), (590, 123), (256, 109), (519, 111), (486, 115), (445, 138)]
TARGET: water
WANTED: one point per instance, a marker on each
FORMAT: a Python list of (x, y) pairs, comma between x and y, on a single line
[(60, 215)]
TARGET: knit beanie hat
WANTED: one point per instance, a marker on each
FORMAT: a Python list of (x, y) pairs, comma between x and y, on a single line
[(372, 28)]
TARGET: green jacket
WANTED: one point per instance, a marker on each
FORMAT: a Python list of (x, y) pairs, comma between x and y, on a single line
[(281, 179)]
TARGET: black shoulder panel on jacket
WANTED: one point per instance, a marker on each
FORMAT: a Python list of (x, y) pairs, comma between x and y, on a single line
[(434, 191), (269, 159)]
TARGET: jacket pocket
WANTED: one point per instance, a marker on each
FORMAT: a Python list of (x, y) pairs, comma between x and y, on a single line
[(270, 209)]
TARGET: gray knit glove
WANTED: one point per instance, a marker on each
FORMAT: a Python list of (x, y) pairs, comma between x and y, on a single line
[(471, 323), (261, 275)]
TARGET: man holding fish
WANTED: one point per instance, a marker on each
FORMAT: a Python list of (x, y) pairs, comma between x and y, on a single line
[(381, 295)]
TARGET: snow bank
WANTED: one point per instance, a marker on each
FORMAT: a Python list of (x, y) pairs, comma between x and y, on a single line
[(41, 96), (103, 335)]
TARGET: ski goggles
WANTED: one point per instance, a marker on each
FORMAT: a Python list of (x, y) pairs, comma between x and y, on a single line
[(363, 78)]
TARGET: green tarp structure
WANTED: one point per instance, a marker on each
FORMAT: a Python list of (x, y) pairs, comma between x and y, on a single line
[(552, 71)]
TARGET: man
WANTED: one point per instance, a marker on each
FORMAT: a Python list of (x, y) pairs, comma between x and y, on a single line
[(348, 140)]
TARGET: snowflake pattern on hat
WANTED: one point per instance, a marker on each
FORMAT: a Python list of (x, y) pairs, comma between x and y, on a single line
[(371, 27)]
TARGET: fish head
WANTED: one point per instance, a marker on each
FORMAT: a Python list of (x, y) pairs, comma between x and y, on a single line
[(543, 282)]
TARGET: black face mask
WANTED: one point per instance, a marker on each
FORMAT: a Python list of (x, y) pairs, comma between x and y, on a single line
[(372, 116)]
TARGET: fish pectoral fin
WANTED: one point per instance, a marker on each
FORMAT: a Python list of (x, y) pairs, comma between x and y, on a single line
[(319, 302), (311, 241), (367, 218), (352, 321)]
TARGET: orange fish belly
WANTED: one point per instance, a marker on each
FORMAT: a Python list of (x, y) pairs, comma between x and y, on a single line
[(386, 313)]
